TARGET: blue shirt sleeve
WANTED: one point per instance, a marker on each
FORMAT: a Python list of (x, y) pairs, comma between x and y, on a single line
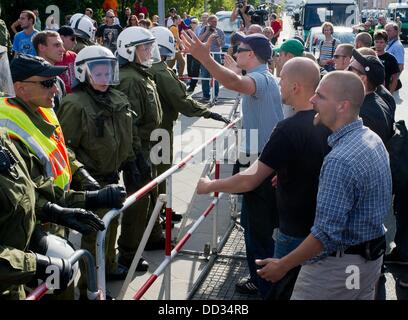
[(260, 83), (335, 200)]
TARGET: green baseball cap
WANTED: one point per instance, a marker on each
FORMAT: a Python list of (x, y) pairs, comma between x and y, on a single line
[(292, 46)]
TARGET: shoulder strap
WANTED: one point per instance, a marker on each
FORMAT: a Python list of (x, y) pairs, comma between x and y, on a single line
[(333, 44)]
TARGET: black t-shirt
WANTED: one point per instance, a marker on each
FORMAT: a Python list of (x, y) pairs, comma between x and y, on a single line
[(388, 99), (109, 34), (296, 150), (375, 115), (390, 65)]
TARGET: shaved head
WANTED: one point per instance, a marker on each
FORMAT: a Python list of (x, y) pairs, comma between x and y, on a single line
[(346, 86), (367, 51), (303, 71)]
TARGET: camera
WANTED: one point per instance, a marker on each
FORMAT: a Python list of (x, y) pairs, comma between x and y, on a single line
[(259, 16), (240, 3)]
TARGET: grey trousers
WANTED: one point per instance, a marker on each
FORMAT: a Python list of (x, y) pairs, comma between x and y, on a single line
[(346, 277)]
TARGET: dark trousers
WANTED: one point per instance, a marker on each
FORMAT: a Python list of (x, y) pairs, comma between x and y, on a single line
[(401, 218), (259, 217), (193, 70)]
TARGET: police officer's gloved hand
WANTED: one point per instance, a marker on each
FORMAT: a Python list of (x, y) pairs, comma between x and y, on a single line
[(143, 166), (83, 181), (80, 220), (218, 117), (111, 196), (63, 265)]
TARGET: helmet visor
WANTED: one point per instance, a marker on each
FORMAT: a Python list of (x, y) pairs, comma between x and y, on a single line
[(103, 71), (6, 82), (147, 53), (165, 52)]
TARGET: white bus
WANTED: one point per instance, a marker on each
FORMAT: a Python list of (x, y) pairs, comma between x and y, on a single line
[(339, 12)]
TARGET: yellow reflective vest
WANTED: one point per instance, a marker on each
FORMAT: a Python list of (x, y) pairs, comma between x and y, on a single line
[(51, 151)]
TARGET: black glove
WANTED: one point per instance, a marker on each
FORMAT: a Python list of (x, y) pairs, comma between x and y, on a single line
[(83, 181), (63, 265), (218, 117), (112, 196), (80, 220)]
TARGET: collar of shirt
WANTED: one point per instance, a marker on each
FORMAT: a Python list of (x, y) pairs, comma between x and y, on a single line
[(260, 68), (338, 134)]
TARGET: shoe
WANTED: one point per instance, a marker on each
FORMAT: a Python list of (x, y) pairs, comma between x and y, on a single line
[(204, 100), (142, 266), (174, 216), (157, 245), (394, 258), (119, 274), (190, 89), (246, 286)]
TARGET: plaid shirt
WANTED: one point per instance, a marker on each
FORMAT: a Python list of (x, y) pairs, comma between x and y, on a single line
[(354, 189)]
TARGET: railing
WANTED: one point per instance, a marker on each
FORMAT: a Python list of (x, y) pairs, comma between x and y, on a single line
[(169, 254)]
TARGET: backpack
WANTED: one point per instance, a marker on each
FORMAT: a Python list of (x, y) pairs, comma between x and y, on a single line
[(397, 147)]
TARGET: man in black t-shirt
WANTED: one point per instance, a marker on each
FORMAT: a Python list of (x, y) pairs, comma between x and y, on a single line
[(108, 33), (390, 63), (295, 151), (376, 114)]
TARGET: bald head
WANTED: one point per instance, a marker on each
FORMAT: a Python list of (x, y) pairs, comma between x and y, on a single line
[(303, 71), (254, 28), (346, 86)]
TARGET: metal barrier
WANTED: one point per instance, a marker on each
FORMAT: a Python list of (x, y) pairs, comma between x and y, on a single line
[(92, 291), (100, 241)]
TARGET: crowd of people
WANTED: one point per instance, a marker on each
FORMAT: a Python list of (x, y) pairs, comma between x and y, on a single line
[(78, 106)]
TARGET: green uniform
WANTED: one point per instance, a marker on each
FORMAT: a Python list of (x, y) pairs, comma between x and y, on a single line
[(4, 36), (99, 128), (82, 43), (17, 221), (144, 99), (173, 99)]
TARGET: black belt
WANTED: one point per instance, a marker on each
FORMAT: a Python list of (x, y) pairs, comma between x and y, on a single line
[(359, 249)]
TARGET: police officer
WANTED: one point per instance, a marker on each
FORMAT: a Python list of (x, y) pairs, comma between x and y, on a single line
[(137, 49), (84, 31), (36, 132), (18, 217), (173, 96), (99, 127)]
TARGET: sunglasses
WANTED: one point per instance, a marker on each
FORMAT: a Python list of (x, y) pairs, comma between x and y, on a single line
[(350, 68), (336, 56), (239, 49), (45, 83)]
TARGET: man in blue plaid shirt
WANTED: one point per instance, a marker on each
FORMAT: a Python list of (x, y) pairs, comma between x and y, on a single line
[(344, 251)]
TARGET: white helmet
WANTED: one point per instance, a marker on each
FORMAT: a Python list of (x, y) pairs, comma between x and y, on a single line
[(6, 82), (98, 65), (166, 42), (137, 44), (83, 26)]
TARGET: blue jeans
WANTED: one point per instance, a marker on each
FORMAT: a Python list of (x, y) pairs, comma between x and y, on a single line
[(282, 290), (285, 244), (206, 83)]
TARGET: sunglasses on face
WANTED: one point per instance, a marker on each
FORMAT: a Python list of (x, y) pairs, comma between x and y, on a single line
[(353, 69), (239, 49), (336, 56), (45, 83)]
